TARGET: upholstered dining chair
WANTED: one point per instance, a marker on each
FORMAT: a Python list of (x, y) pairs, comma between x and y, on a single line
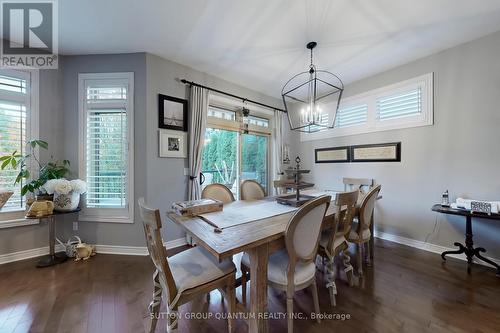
[(363, 185), (280, 186), (252, 190), (217, 192), (360, 233), (333, 241), (184, 276), (293, 268)]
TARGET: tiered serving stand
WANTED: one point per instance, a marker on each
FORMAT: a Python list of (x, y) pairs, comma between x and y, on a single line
[(296, 199)]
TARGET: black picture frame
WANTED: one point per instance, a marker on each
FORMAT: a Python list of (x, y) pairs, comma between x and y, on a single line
[(346, 160), (173, 123), (396, 158)]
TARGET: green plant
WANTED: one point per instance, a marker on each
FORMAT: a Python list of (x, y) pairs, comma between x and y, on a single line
[(50, 170)]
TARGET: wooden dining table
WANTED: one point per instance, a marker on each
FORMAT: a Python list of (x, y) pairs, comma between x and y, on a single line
[(259, 239)]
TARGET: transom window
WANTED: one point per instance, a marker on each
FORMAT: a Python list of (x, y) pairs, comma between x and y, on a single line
[(400, 105)]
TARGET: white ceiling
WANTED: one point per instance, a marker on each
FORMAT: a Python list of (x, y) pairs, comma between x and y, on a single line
[(261, 43)]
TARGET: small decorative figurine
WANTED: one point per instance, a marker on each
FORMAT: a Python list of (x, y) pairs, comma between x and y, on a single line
[(84, 251), (40, 209)]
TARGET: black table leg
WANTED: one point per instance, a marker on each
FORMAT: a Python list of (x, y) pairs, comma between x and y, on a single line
[(461, 249), (477, 253), (469, 249), (52, 258)]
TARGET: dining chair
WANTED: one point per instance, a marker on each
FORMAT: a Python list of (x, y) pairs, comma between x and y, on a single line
[(293, 268), (360, 233), (252, 190), (217, 192), (280, 186), (363, 185), (333, 241), (185, 276)]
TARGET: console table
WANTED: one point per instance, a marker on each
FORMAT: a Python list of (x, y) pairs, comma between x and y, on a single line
[(53, 258), (469, 249)]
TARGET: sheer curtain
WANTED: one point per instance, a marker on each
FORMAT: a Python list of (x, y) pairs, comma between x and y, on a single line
[(198, 107), (278, 145)]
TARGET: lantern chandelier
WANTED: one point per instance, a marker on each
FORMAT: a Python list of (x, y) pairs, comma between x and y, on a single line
[(312, 98)]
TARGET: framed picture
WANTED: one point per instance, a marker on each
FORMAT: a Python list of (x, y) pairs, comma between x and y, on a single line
[(332, 155), (172, 144), (172, 113), (382, 152)]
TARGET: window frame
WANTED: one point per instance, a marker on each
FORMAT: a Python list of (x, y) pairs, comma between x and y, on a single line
[(425, 118), (114, 215), (16, 217), (227, 104)]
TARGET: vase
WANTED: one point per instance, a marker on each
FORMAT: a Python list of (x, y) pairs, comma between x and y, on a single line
[(66, 202)]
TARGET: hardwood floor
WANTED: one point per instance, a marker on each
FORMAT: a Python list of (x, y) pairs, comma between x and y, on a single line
[(407, 290)]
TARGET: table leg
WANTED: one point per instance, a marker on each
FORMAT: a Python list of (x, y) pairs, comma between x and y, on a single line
[(371, 243), (52, 258), (258, 289)]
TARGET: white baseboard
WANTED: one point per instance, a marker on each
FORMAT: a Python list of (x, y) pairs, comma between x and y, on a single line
[(105, 249), (428, 247)]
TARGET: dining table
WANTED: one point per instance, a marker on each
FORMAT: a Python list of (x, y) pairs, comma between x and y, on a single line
[(252, 232)]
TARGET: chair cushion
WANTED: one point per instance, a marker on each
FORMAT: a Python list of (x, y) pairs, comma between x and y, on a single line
[(353, 235), (277, 268), (325, 236), (194, 267)]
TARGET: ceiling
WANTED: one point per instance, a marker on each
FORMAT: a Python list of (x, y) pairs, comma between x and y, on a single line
[(261, 43)]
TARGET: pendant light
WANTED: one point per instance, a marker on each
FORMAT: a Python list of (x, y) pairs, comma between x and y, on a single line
[(312, 98)]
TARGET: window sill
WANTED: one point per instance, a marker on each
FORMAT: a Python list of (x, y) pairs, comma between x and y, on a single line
[(18, 223), (82, 218)]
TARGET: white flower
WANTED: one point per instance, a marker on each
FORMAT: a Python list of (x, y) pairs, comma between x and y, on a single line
[(63, 186), (78, 185), (50, 185)]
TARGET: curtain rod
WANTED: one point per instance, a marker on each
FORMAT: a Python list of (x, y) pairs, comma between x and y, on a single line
[(191, 83)]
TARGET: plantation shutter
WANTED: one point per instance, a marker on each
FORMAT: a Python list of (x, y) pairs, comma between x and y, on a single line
[(403, 104), (351, 115), (107, 145), (14, 105)]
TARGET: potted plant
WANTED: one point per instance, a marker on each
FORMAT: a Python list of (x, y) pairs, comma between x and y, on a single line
[(66, 193), (47, 171)]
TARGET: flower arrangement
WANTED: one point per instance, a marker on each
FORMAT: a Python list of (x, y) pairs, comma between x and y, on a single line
[(66, 192), (64, 186)]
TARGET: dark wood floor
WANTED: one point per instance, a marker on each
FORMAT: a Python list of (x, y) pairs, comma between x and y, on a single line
[(407, 290)]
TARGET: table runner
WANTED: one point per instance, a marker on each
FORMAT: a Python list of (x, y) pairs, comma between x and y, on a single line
[(241, 212)]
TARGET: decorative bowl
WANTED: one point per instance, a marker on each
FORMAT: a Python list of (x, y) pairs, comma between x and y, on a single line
[(4, 197)]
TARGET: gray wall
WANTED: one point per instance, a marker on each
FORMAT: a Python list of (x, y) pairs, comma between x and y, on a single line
[(460, 152)]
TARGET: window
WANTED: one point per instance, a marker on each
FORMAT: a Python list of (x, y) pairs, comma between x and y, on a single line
[(401, 105), (18, 124), (106, 156), (230, 155)]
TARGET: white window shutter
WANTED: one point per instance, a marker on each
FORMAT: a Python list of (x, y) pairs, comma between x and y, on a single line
[(402, 104)]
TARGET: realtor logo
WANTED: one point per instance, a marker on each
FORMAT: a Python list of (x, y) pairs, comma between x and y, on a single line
[(29, 34)]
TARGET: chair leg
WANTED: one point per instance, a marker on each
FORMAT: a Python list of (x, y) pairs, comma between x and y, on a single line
[(289, 311), (330, 285), (173, 317), (368, 254), (359, 249), (348, 269), (243, 285), (314, 288), (231, 303), (154, 306)]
